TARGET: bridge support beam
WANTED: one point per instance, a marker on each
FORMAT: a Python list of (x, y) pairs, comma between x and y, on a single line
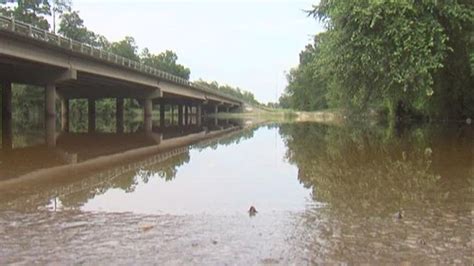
[(91, 114), (65, 115), (180, 114), (50, 115), (119, 115), (162, 113), (7, 132), (148, 113)]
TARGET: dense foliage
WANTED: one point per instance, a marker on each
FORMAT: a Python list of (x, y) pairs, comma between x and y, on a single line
[(165, 61), (403, 58), (246, 96)]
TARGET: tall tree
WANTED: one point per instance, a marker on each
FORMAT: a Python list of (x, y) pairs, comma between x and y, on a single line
[(126, 48), (29, 11), (72, 26), (59, 7), (409, 58), (166, 61), (306, 86), (246, 96)]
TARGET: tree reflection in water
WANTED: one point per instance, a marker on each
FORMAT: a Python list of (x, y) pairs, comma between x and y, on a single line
[(365, 176), (79, 187)]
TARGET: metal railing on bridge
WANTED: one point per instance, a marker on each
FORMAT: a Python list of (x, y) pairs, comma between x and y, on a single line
[(30, 31)]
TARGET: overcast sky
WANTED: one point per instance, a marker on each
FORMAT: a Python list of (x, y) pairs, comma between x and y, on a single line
[(249, 44)]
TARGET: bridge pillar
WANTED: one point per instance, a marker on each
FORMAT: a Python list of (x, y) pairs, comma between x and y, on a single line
[(186, 114), (50, 98), (65, 115), (148, 113), (180, 114), (91, 114), (192, 110), (172, 113), (50, 115), (216, 109), (162, 113), (7, 132), (199, 114), (119, 114)]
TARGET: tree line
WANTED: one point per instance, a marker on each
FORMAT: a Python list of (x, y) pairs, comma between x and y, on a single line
[(71, 25), (246, 96), (399, 59)]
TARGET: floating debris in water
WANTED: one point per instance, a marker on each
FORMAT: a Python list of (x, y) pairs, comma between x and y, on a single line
[(252, 211), (400, 214), (146, 227)]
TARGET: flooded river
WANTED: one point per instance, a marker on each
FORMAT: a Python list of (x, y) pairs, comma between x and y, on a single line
[(324, 194)]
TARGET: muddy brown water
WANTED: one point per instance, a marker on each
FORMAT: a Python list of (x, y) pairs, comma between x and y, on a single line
[(324, 194)]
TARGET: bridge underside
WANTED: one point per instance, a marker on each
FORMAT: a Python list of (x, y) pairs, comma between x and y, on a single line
[(74, 84), (66, 76)]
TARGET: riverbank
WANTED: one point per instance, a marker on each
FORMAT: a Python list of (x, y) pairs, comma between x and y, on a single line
[(262, 113)]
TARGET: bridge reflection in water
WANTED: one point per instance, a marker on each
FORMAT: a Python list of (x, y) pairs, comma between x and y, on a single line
[(89, 162)]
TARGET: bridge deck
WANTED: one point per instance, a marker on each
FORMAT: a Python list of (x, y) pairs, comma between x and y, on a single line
[(34, 56)]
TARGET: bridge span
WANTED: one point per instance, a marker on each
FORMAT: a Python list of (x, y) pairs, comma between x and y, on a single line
[(68, 69)]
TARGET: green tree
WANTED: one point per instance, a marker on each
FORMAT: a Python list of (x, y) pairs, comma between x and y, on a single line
[(29, 11), (102, 42), (306, 86), (408, 58), (246, 96), (285, 101), (126, 48), (166, 61), (72, 26), (59, 7)]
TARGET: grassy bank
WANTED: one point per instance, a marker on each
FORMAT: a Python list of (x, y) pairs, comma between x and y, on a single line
[(265, 113)]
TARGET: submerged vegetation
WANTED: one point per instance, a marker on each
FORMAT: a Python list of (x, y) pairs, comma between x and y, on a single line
[(401, 59)]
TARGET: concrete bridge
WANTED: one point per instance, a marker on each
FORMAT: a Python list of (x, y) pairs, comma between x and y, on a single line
[(71, 70)]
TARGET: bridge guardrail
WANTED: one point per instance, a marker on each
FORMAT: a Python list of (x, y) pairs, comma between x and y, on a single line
[(30, 31)]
